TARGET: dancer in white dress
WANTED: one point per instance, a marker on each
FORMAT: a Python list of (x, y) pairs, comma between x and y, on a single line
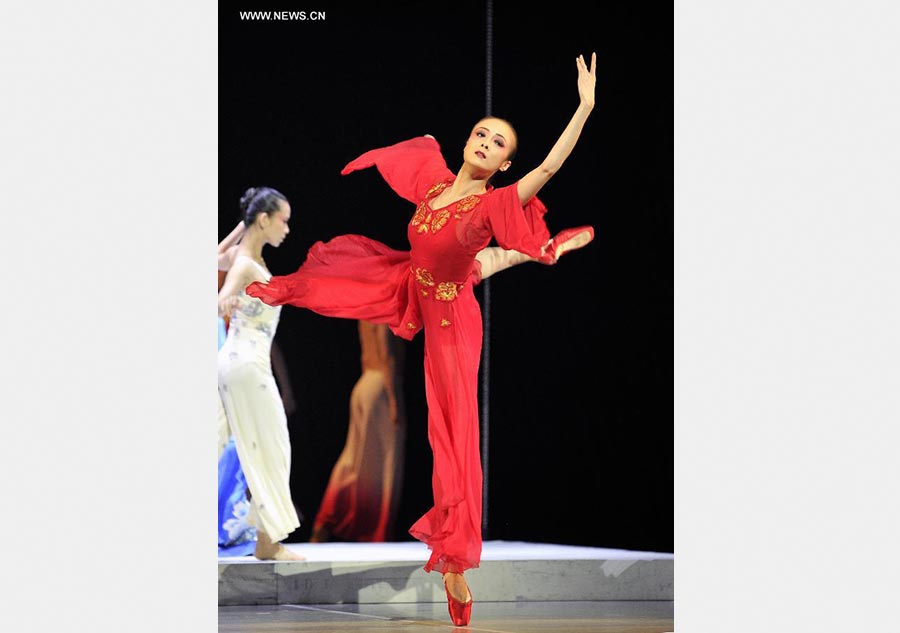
[(253, 407)]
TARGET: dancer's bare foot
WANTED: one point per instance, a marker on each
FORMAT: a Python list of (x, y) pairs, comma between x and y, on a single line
[(267, 550), (284, 553)]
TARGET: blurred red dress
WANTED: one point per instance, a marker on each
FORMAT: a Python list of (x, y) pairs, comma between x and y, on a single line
[(363, 492), (429, 287)]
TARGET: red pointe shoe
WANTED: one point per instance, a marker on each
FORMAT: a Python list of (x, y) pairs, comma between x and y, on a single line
[(460, 612), (565, 241)]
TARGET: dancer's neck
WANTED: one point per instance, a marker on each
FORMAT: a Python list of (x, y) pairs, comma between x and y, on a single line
[(251, 246), (468, 182)]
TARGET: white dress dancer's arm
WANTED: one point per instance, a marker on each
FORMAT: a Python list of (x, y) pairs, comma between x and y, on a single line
[(228, 246), (241, 274)]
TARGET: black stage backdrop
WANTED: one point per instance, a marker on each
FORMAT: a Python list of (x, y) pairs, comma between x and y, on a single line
[(581, 435)]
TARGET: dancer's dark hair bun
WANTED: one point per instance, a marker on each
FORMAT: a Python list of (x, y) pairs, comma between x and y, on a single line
[(258, 200), (247, 198)]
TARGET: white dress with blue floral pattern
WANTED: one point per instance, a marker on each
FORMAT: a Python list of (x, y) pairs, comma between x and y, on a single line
[(255, 413)]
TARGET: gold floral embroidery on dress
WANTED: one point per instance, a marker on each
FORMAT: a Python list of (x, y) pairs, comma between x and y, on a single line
[(465, 205), (424, 277), (419, 216), (440, 219), (445, 323), (423, 227), (430, 221), (426, 220), (447, 291), (436, 189), (410, 325)]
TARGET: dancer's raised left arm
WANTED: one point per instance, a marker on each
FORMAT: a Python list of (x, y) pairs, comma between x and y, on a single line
[(532, 182)]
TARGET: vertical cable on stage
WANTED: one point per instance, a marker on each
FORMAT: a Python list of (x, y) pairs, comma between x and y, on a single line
[(486, 285)]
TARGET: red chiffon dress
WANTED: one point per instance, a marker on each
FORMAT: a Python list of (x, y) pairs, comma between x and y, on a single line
[(430, 288)]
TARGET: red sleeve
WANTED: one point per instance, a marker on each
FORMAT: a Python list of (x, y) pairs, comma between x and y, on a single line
[(409, 167), (476, 273), (515, 226)]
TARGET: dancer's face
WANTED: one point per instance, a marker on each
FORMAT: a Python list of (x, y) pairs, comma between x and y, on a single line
[(275, 226), (490, 145)]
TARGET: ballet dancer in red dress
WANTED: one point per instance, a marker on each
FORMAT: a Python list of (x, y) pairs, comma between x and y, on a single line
[(430, 288)]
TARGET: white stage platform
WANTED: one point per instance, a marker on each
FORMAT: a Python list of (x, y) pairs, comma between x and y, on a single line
[(339, 573)]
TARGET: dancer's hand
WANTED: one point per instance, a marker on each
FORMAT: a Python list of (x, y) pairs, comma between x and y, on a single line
[(587, 79)]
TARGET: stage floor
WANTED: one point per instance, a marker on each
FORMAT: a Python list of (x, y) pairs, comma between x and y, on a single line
[(392, 573), (487, 617), (417, 551)]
